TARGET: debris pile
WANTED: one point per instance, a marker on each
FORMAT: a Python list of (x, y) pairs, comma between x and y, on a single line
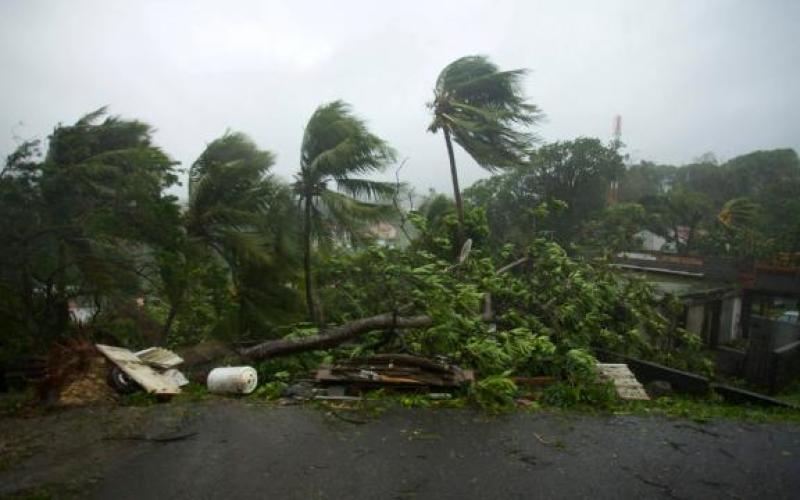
[(89, 385), (152, 369), (72, 373), (400, 371)]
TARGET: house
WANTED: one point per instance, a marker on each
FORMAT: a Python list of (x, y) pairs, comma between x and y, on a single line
[(385, 233), (735, 307), (650, 240)]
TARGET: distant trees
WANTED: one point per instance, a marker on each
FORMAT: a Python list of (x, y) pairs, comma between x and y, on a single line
[(693, 195), (337, 148), (484, 111), (615, 228), (571, 176), (579, 173), (678, 215)]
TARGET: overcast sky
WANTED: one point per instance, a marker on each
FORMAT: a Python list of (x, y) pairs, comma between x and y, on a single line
[(687, 77)]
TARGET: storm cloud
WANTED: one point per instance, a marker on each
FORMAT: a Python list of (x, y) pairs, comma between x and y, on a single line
[(687, 77)]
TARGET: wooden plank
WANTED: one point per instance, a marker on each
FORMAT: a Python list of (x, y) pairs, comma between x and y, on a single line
[(152, 381), (625, 383)]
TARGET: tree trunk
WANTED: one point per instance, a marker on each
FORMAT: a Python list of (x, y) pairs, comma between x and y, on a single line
[(173, 311), (313, 313), (334, 336), (456, 190)]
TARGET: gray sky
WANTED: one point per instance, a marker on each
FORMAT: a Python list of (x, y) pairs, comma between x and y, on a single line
[(686, 76)]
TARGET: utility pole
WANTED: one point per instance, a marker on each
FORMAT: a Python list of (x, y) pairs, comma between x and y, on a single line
[(616, 143)]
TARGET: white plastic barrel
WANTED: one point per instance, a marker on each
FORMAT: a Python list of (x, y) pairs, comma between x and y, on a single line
[(232, 380)]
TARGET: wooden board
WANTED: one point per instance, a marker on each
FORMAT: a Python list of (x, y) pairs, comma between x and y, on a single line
[(152, 381), (625, 383)]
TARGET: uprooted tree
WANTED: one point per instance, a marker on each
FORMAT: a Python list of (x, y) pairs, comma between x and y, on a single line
[(546, 315)]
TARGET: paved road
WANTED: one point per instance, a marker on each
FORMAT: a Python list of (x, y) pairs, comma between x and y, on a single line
[(242, 451)]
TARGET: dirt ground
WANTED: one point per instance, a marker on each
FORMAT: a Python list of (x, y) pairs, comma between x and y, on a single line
[(235, 449)]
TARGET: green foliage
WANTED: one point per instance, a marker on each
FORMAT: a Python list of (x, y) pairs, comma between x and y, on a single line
[(615, 228), (484, 110), (572, 177), (288, 367), (241, 216), (706, 409), (753, 197), (272, 390), (678, 215), (549, 313), (495, 393), (78, 225)]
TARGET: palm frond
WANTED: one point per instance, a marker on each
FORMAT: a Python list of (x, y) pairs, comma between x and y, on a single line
[(338, 144), (485, 111), (363, 188), (738, 212)]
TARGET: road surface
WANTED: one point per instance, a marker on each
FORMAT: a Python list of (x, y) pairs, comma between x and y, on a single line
[(230, 449)]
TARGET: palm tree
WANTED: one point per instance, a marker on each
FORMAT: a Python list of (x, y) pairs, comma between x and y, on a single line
[(483, 109), (738, 212), (241, 213), (337, 146), (229, 189)]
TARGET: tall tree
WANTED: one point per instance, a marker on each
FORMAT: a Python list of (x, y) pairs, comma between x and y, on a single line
[(576, 172), (337, 147), (94, 208), (484, 111)]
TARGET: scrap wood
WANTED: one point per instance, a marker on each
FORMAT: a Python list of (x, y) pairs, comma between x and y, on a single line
[(392, 378), (395, 369), (144, 375), (402, 360)]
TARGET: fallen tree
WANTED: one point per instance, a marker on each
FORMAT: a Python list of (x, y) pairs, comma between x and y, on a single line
[(334, 336)]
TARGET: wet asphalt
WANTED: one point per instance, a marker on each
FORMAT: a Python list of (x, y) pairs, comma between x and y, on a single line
[(232, 450)]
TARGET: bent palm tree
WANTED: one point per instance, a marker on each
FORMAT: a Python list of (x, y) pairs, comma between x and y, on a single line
[(483, 109), (336, 147), (239, 211), (738, 212), (229, 189)]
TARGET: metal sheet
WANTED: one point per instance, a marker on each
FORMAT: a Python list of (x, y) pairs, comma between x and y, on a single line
[(152, 381), (159, 357)]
